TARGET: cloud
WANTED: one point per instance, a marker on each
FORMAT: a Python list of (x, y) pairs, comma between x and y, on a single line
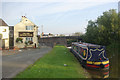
[(12, 11), (50, 12), (60, 0), (61, 7), (51, 6)]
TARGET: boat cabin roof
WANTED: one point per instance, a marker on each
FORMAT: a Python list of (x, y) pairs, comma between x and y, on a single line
[(87, 45)]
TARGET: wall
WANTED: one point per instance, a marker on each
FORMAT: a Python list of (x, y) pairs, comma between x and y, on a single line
[(51, 41), (62, 40)]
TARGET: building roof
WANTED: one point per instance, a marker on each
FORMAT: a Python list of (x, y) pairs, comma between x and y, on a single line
[(2, 23)]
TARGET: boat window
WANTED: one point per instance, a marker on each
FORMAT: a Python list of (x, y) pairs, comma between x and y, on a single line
[(84, 53), (80, 50), (77, 49)]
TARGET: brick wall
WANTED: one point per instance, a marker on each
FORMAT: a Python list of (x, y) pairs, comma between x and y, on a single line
[(51, 41)]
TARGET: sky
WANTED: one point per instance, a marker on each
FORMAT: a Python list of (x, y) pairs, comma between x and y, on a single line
[(56, 16)]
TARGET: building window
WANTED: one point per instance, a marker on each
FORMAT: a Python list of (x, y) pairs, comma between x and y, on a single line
[(29, 27), (29, 39), (4, 30)]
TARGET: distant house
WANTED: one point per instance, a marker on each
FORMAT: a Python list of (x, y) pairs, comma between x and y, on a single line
[(25, 33), (4, 31), (47, 35)]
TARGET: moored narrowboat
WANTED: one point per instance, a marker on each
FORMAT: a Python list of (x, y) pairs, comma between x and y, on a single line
[(91, 56)]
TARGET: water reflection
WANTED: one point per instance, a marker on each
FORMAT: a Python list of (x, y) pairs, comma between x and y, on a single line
[(98, 73), (114, 73)]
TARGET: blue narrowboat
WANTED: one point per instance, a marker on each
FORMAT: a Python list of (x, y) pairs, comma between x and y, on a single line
[(91, 55)]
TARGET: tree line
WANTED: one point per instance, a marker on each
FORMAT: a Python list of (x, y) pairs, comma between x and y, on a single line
[(104, 30)]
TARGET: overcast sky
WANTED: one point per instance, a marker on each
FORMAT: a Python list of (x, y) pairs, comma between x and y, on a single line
[(56, 16)]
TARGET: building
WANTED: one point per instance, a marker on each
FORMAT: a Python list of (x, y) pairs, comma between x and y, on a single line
[(46, 35), (4, 31), (25, 34), (11, 37), (0, 41)]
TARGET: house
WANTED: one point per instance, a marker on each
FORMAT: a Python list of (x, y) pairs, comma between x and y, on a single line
[(4, 32), (25, 33), (46, 35)]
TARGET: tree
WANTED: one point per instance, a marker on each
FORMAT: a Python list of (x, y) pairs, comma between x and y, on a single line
[(108, 26), (61, 35), (77, 34), (91, 32), (105, 29)]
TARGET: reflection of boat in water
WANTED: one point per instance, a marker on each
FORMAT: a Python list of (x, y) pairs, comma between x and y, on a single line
[(92, 56), (98, 73)]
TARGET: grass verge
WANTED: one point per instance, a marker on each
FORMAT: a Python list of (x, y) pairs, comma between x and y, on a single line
[(52, 66)]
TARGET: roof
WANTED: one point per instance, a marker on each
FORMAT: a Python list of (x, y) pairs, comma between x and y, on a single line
[(87, 44), (2, 23)]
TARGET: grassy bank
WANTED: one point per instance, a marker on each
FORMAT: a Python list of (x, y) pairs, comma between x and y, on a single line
[(52, 66)]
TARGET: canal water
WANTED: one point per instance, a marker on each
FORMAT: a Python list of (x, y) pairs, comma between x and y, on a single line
[(114, 65)]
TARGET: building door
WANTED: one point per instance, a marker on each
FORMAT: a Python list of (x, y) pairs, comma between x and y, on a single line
[(11, 42), (3, 43)]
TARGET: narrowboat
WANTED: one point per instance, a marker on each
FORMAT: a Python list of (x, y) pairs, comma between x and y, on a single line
[(91, 56)]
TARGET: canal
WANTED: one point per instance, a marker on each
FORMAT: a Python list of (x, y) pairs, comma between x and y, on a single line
[(114, 63)]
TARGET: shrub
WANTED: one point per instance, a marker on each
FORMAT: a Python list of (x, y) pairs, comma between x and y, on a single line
[(30, 42), (19, 40)]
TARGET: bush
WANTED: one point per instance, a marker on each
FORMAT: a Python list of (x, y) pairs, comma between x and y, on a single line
[(19, 39), (30, 42)]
